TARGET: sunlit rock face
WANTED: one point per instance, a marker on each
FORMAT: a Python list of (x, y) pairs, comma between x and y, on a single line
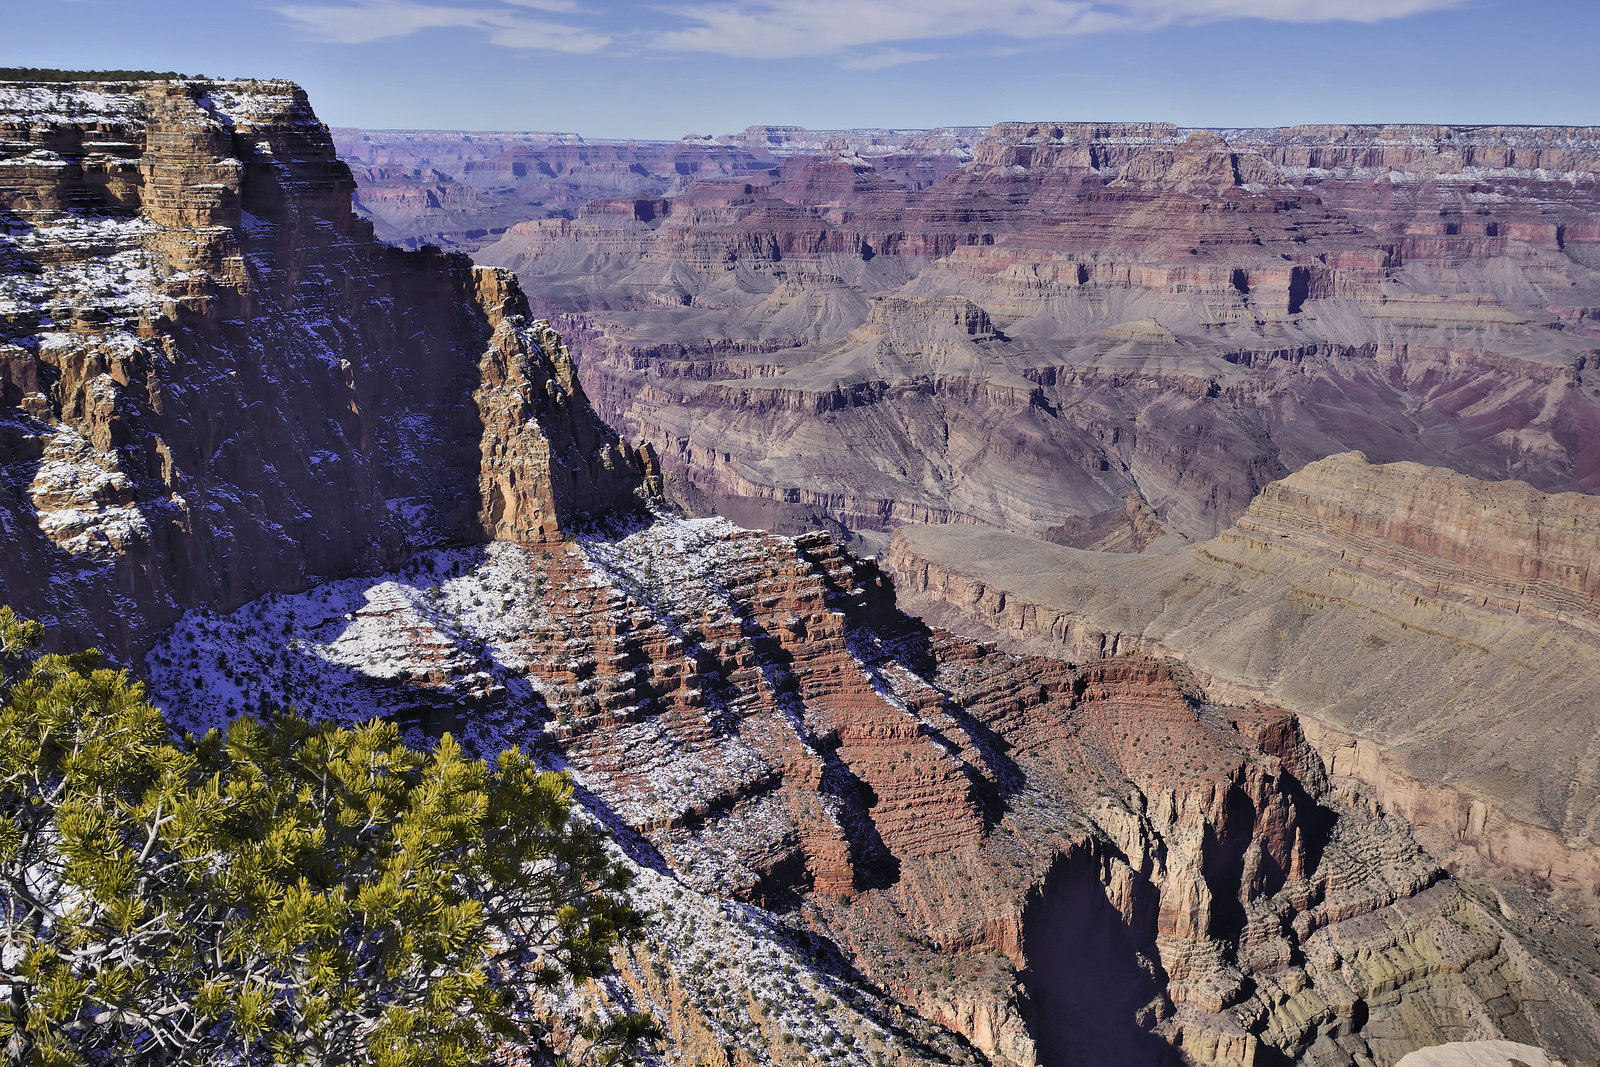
[(215, 383), (1437, 635), (1184, 317)]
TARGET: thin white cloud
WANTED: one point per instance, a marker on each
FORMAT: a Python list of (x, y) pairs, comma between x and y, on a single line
[(363, 21), (360, 23), (886, 58), (858, 34), (785, 29), (559, 6), (781, 29), (544, 35), (1164, 12)]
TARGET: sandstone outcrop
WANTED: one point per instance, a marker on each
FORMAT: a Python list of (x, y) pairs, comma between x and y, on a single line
[(1185, 315), (1503, 546), (1435, 634), (1477, 1054), (214, 383)]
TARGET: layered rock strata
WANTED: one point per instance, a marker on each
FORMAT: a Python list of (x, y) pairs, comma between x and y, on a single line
[(215, 383), (462, 191), (860, 841), (1187, 316), (1437, 636), (867, 842), (1502, 546)]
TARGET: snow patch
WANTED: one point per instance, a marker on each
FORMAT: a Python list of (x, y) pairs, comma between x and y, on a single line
[(82, 501)]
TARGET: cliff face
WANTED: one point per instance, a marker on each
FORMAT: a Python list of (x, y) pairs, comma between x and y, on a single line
[(860, 838), (1503, 546), (215, 383), (463, 190), (1437, 636), (1186, 316)]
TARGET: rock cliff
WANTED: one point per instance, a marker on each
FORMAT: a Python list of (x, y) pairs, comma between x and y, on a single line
[(1503, 546), (215, 383), (271, 461), (863, 841), (464, 190), (1436, 634), (1182, 315)]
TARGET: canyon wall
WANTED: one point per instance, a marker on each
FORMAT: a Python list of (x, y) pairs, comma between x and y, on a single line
[(462, 191), (863, 841), (215, 383), (268, 460), (1081, 313), (1503, 546), (1437, 636)]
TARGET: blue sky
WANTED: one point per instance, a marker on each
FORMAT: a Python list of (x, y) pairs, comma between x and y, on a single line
[(663, 68)]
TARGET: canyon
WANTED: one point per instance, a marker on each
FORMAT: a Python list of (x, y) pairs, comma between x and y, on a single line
[(261, 458), (870, 842), (209, 392), (462, 191), (1438, 638), (1085, 312)]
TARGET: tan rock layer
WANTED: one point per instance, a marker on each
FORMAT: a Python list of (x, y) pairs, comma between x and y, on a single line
[(1502, 545), (1410, 622)]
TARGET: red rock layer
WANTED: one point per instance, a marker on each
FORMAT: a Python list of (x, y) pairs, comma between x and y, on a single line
[(1062, 864), (709, 720), (1152, 870)]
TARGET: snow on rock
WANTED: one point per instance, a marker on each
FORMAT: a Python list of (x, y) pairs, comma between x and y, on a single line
[(628, 659), (184, 285), (672, 565), (97, 269), (82, 502), (262, 102), (344, 650), (60, 104)]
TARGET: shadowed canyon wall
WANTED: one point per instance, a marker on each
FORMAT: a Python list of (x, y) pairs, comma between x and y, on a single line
[(216, 383)]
